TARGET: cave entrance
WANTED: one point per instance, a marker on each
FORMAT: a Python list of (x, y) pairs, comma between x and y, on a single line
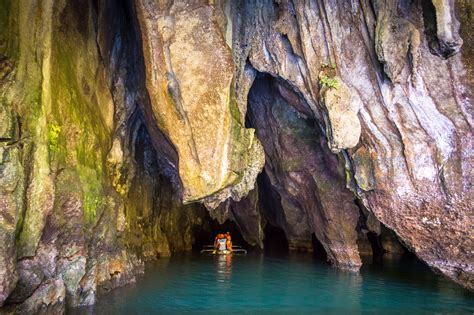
[(205, 234), (319, 252), (299, 166), (275, 241), (377, 248), (375, 240)]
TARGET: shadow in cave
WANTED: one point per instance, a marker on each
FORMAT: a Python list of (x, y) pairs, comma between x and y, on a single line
[(377, 248), (369, 242), (275, 242), (205, 234), (407, 268), (319, 253), (431, 30), (376, 242), (391, 260)]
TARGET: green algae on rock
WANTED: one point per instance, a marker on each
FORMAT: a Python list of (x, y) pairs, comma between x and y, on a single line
[(114, 114)]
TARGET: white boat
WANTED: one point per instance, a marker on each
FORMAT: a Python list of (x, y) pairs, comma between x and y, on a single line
[(209, 249)]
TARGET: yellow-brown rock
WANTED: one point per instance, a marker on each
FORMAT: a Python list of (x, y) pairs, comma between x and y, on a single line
[(189, 79)]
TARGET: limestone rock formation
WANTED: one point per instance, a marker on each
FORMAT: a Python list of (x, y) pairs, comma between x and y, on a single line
[(49, 298), (115, 113), (341, 109), (412, 166), (189, 78), (70, 129), (307, 178)]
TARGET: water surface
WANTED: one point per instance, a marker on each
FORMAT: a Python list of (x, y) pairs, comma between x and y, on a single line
[(295, 284)]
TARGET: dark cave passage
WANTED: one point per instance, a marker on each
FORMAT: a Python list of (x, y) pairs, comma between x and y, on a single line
[(319, 253), (376, 244), (275, 242), (205, 234), (376, 240), (302, 188), (303, 198)]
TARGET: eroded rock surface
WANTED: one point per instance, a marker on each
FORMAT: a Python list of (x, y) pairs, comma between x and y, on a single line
[(307, 177), (114, 113), (190, 81), (49, 298), (412, 166), (70, 125)]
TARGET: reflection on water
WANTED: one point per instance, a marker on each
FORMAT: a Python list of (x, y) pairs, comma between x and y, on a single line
[(224, 267), (290, 284)]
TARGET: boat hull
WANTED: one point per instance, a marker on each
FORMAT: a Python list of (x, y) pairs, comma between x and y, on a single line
[(224, 252)]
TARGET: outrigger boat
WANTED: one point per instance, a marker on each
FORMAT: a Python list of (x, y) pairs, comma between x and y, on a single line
[(209, 249)]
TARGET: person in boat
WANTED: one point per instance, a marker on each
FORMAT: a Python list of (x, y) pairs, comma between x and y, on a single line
[(228, 242), (216, 241), (220, 243)]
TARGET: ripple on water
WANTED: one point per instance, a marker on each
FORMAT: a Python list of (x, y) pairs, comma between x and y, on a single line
[(291, 284)]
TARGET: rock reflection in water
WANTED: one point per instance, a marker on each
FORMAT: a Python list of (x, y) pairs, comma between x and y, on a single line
[(295, 283)]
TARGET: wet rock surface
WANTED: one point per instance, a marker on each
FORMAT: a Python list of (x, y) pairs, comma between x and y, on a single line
[(114, 114), (306, 176), (409, 165), (189, 71), (69, 116), (49, 298)]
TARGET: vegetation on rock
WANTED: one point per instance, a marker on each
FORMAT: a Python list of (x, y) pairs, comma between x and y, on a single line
[(112, 115)]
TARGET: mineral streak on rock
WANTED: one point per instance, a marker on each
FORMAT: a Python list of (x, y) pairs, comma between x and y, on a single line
[(308, 178), (190, 71), (412, 165), (69, 117), (112, 113)]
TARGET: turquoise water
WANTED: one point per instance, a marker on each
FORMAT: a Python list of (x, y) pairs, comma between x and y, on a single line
[(295, 284)]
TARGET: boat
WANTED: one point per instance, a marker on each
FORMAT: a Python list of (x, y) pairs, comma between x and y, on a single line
[(209, 249)]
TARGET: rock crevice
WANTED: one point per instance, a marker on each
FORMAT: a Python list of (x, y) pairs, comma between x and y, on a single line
[(125, 127)]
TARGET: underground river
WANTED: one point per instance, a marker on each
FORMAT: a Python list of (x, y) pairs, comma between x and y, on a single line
[(294, 283), (333, 140)]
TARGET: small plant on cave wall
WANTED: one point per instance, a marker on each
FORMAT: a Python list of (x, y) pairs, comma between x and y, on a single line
[(53, 137), (327, 82), (327, 77)]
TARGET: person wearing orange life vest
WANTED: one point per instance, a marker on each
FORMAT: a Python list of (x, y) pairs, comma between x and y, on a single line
[(223, 243), (228, 242)]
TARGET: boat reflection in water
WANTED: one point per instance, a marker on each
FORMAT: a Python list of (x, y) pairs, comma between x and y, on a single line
[(287, 284), (224, 267)]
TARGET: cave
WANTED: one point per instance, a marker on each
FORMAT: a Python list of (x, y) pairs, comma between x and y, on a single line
[(275, 242), (302, 185), (133, 132), (319, 252), (205, 234)]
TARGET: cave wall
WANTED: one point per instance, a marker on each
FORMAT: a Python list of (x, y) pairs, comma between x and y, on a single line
[(79, 178), (158, 224), (189, 78), (59, 209), (308, 178), (114, 113), (390, 86)]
